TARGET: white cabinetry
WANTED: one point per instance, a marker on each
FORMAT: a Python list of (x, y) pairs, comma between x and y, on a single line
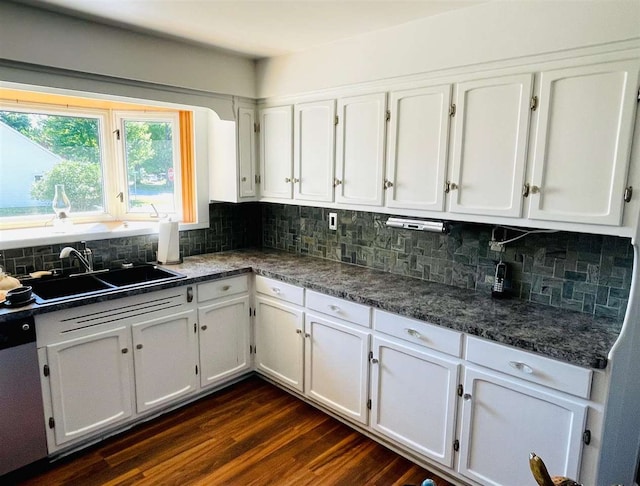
[(165, 359), (490, 131), (279, 328), (336, 357), (503, 420), (360, 145), (89, 383), (583, 142), (233, 161), (224, 330), (247, 160), (417, 148), (413, 388), (314, 150), (276, 152)]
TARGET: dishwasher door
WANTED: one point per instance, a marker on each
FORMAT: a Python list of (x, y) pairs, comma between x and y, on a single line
[(22, 430)]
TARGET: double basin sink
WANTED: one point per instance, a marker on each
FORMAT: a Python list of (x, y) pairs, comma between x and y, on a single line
[(63, 287)]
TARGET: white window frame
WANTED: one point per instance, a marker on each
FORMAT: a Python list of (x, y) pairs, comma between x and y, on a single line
[(121, 183), (106, 154)]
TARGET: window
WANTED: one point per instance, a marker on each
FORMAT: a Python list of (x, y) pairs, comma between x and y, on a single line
[(117, 161)]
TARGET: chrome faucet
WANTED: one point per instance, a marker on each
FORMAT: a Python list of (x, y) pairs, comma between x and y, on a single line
[(85, 257)]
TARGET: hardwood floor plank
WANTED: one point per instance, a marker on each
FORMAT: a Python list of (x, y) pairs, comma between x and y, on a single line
[(252, 433)]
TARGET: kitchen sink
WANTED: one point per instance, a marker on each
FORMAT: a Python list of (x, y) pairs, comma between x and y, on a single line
[(137, 275), (62, 287)]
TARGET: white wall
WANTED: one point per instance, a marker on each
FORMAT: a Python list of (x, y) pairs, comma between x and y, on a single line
[(499, 30), (35, 36)]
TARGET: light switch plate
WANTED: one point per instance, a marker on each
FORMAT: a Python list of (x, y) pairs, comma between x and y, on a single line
[(333, 221)]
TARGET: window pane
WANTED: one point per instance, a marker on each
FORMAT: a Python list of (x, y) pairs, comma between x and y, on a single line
[(150, 166), (38, 151)]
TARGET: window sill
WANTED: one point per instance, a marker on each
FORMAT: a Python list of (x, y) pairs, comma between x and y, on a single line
[(28, 237)]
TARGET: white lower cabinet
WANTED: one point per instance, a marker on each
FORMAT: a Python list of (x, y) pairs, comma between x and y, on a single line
[(279, 342), (165, 359), (336, 366), (89, 382), (413, 395), (224, 340), (504, 419)]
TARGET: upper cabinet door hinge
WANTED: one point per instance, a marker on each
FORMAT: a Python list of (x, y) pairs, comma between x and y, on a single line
[(460, 390), (336, 120), (117, 132), (369, 404), (52, 423), (638, 94), (456, 445), (45, 370), (256, 127), (628, 193), (533, 104), (452, 110), (257, 178), (388, 115)]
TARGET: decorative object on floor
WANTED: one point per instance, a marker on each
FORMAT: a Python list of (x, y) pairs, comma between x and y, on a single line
[(542, 477)]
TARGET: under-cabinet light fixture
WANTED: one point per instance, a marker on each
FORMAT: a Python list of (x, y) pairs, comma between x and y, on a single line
[(419, 225)]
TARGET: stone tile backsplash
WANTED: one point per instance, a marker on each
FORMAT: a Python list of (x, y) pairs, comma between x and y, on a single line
[(582, 272), (231, 226)]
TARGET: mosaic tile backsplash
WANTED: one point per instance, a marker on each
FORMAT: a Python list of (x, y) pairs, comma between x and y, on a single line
[(231, 227), (582, 272), (586, 273)]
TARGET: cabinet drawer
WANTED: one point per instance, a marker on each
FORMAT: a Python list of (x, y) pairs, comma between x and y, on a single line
[(349, 311), (418, 332), (280, 290), (531, 367), (222, 288)]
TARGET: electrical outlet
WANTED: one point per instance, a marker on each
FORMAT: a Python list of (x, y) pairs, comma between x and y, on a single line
[(333, 221), (496, 246)]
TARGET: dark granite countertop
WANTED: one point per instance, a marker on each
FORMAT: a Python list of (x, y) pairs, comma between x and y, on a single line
[(565, 335)]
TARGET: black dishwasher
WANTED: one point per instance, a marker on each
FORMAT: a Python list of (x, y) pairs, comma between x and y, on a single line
[(22, 431)]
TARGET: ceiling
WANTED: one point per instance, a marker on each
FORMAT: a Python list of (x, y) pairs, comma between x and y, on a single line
[(255, 28)]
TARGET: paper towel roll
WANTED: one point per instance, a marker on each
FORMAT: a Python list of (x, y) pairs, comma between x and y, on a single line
[(168, 242)]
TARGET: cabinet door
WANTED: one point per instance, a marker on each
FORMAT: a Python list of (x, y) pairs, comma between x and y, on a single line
[(276, 152), (417, 152), (360, 149), (279, 342), (413, 395), (490, 132), (165, 359), (90, 380), (336, 364), (583, 143), (314, 150), (504, 420), (247, 152), (224, 340)]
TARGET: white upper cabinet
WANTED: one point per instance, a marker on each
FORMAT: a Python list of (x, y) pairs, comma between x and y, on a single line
[(276, 152), (314, 150), (490, 132), (417, 148), (247, 152), (360, 145), (583, 142)]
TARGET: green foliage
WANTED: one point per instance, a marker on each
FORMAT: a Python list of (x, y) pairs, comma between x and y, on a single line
[(71, 138), (81, 182), (18, 121)]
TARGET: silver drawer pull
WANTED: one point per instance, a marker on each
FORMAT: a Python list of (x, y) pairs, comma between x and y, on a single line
[(518, 365), (334, 308), (275, 290), (226, 287), (413, 333)]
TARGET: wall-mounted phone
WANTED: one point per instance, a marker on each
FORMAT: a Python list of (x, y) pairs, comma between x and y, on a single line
[(499, 288)]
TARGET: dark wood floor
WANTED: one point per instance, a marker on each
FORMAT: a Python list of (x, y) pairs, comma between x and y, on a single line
[(252, 433)]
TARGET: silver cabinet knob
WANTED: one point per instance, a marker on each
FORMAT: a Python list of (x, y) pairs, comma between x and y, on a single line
[(287, 179), (26, 327), (387, 184), (203, 327), (450, 186), (466, 396), (336, 182), (138, 346)]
